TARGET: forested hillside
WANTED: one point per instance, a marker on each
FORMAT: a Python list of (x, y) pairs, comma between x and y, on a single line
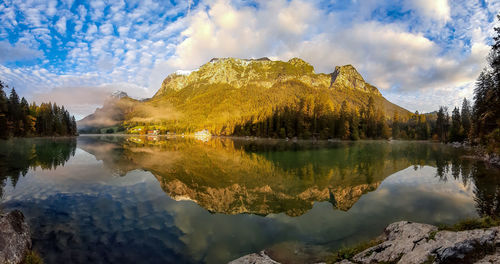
[(20, 119), (268, 99)]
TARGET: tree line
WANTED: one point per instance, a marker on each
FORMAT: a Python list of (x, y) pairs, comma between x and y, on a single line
[(20, 119), (315, 117), (486, 116)]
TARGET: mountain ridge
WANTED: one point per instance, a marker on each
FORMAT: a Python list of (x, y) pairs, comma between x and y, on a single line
[(239, 72), (227, 93)]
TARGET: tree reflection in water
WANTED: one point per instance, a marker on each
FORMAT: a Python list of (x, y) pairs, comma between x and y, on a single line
[(19, 155)]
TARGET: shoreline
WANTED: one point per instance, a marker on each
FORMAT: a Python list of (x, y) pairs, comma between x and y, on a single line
[(479, 152), (468, 241)]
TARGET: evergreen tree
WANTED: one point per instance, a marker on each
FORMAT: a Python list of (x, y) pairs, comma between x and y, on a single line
[(4, 129), (456, 126), (18, 118), (371, 122), (395, 125), (442, 124), (354, 125), (14, 114), (466, 115), (486, 110)]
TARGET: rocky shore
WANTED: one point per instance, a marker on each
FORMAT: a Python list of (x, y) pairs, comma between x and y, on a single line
[(15, 239), (407, 242), (480, 153)]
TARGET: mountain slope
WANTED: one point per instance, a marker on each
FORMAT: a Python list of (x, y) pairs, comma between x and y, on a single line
[(111, 114), (225, 95)]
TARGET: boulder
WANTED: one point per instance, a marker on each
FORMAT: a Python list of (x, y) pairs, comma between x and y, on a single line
[(411, 243), (254, 258), (15, 239), (406, 242)]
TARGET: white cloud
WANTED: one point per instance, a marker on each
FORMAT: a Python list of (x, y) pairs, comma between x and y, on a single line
[(51, 9), (106, 29), (61, 25), (435, 9)]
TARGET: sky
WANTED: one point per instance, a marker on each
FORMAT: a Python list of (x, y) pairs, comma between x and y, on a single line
[(420, 53)]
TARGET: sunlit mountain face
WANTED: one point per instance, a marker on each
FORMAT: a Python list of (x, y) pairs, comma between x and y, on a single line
[(129, 199)]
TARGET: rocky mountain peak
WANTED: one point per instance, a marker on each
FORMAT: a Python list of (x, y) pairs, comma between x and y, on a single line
[(347, 77), (264, 72)]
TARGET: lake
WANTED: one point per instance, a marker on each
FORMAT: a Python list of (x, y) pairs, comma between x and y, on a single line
[(126, 199)]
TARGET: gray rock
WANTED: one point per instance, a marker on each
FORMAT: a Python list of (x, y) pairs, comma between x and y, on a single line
[(400, 238), (411, 243), (406, 242), (254, 258), (15, 238), (488, 259)]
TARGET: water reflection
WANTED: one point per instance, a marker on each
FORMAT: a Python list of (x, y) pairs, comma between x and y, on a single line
[(17, 156), (134, 199), (261, 177)]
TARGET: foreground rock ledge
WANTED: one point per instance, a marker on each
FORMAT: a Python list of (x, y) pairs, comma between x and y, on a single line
[(407, 242), (15, 238)]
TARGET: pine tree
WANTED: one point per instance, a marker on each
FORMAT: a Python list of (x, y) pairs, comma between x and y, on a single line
[(395, 125), (14, 109), (371, 121), (486, 110), (26, 117), (354, 125), (466, 118), (456, 126), (4, 133), (442, 124)]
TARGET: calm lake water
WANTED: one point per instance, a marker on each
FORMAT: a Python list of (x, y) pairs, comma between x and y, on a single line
[(123, 199)]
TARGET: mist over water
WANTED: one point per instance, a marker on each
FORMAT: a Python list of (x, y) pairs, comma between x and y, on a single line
[(104, 199)]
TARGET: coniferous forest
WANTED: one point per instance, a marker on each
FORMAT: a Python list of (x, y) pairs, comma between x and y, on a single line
[(20, 119)]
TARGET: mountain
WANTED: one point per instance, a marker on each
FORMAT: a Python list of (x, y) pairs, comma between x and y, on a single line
[(241, 96), (111, 114)]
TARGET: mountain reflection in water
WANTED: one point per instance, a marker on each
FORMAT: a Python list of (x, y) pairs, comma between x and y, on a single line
[(93, 199), (260, 177)]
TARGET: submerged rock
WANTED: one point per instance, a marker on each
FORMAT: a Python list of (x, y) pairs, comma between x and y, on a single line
[(15, 239)]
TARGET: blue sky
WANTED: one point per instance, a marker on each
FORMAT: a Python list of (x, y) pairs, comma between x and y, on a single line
[(419, 53)]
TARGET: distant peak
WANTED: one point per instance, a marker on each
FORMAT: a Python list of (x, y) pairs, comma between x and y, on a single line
[(118, 94)]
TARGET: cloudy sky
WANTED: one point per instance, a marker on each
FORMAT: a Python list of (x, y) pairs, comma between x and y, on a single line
[(419, 53)]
